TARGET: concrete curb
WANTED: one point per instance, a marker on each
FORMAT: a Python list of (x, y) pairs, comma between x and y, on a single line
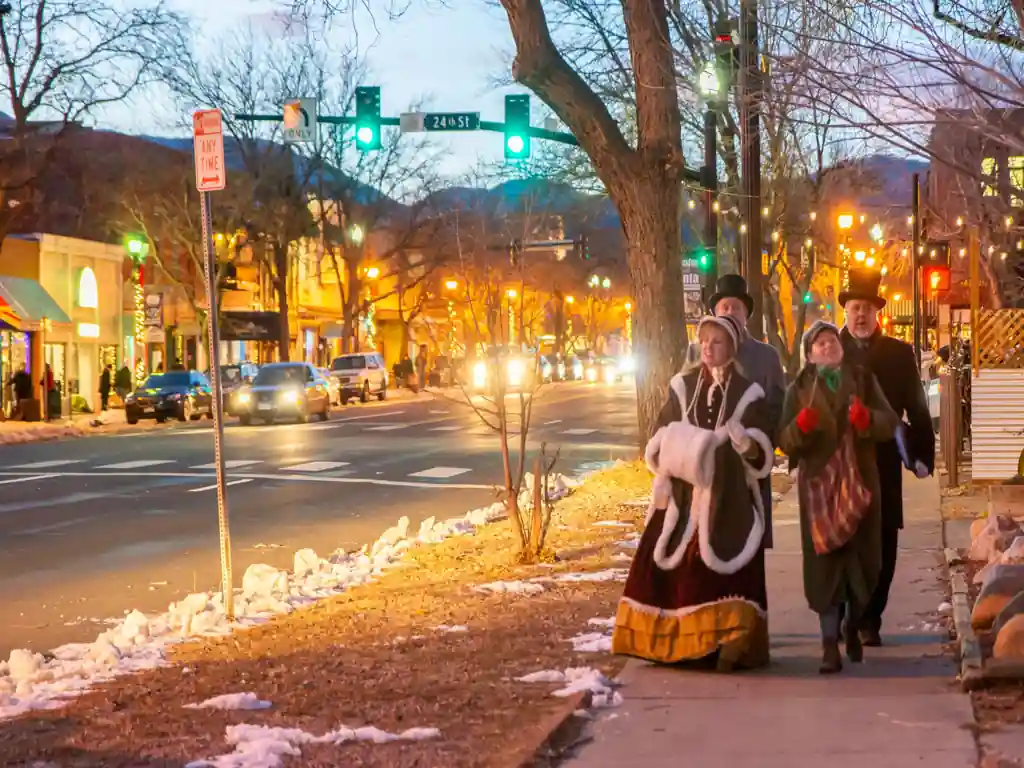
[(971, 672), (535, 738)]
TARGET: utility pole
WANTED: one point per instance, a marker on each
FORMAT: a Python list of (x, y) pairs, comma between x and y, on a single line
[(710, 184), (750, 127), (915, 260)]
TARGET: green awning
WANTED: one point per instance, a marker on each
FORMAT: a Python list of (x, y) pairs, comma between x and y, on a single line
[(30, 301)]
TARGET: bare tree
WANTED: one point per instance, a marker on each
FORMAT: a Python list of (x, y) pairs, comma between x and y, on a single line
[(60, 62)]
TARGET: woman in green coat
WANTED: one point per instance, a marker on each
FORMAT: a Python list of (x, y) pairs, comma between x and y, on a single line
[(834, 415)]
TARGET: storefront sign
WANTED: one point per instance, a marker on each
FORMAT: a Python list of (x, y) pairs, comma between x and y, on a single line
[(154, 308), (88, 291), (250, 326), (88, 330), (154, 335)]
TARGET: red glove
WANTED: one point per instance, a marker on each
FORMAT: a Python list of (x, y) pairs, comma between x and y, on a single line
[(807, 420), (860, 417)]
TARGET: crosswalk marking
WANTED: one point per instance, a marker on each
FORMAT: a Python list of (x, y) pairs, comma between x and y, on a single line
[(214, 486), (136, 464), (315, 466), (229, 464), (446, 429), (440, 473), (47, 464), (579, 431)]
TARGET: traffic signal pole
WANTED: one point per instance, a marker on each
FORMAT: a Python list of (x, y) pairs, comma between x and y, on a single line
[(915, 260), (750, 127), (710, 184)]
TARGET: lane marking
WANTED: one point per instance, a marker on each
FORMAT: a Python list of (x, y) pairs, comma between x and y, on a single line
[(580, 432), (386, 427), (55, 526), (136, 464), (550, 423), (47, 464), (315, 466), (446, 429), (303, 478), (26, 479), (214, 486), (230, 464), (440, 473)]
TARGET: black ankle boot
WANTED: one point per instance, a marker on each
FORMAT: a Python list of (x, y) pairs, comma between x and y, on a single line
[(872, 638), (854, 647), (831, 659)]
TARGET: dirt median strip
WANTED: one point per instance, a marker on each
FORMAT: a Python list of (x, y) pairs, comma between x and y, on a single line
[(419, 648)]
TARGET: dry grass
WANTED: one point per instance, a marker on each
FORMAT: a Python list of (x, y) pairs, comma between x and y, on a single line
[(372, 656)]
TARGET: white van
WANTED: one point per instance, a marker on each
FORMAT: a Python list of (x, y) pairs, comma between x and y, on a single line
[(361, 375)]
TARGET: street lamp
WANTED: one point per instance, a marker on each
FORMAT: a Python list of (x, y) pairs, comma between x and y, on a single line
[(356, 234), (708, 82), (511, 293), (876, 233), (372, 273), (570, 299), (606, 283), (451, 285), (629, 307), (594, 281), (845, 220)]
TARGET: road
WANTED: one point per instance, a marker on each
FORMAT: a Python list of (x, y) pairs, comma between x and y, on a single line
[(95, 526)]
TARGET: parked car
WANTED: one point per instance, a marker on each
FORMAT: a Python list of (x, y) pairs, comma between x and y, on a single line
[(182, 395), (603, 370), (360, 375), (293, 390)]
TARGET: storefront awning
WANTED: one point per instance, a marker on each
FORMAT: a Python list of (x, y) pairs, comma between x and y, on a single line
[(24, 304)]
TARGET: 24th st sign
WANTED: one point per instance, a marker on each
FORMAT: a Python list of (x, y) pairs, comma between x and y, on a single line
[(208, 143)]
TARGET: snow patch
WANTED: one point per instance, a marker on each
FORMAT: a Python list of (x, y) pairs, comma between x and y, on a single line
[(612, 524), (138, 642), (577, 680), (510, 587), (452, 628), (260, 746), (232, 701), (610, 574)]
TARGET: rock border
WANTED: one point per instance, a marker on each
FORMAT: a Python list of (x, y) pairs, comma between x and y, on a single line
[(972, 673)]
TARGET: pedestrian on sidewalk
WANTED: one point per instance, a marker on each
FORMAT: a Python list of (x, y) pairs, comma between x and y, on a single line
[(105, 387), (834, 416), (758, 361), (894, 365), (123, 382), (696, 588)]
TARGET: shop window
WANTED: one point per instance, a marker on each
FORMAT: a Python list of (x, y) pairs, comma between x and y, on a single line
[(88, 291), (1015, 165), (990, 177)]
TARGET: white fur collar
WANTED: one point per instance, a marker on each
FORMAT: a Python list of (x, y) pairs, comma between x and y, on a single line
[(750, 394)]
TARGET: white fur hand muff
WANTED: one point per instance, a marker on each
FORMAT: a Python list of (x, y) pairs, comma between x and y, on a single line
[(683, 451)]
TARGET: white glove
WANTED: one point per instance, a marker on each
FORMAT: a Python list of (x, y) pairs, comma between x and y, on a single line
[(920, 470), (741, 441)]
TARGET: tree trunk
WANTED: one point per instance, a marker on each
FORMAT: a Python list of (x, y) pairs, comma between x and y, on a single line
[(281, 286), (648, 209)]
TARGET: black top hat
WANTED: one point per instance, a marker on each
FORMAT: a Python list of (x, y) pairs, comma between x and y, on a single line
[(731, 287), (863, 285)]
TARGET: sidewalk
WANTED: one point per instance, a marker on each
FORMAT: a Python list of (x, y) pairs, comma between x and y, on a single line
[(898, 709)]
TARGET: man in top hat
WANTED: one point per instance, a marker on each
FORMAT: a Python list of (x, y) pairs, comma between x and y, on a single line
[(760, 363), (895, 366)]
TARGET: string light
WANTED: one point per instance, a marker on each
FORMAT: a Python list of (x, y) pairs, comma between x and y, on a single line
[(814, 215), (765, 211), (963, 252), (1009, 221), (991, 249), (691, 204), (1003, 255), (808, 242), (775, 236), (743, 228), (716, 207), (140, 324), (910, 219), (959, 221)]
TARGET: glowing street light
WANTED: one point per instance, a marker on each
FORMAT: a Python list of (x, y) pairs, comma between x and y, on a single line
[(372, 273), (629, 306), (595, 280), (845, 220), (356, 234), (511, 293), (606, 283), (876, 233), (860, 255), (707, 81), (451, 285), (570, 299)]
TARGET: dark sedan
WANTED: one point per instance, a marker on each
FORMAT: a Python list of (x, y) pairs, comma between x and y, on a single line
[(182, 395)]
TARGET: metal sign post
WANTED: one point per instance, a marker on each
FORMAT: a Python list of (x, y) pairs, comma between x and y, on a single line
[(210, 174)]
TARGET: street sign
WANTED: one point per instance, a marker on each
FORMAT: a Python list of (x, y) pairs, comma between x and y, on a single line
[(451, 121), (300, 120), (208, 148)]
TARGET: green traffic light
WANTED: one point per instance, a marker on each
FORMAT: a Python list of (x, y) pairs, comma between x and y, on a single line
[(704, 261), (807, 298), (515, 144), (365, 135)]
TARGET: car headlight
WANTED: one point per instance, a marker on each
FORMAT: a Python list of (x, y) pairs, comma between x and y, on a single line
[(174, 396), (289, 396), (516, 369), (480, 374), (243, 398)]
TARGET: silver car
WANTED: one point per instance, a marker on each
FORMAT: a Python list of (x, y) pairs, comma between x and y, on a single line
[(291, 390)]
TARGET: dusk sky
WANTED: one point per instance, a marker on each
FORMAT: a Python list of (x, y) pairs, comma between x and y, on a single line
[(447, 55)]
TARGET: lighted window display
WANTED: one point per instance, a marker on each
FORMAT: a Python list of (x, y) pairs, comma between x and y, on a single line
[(1015, 165), (989, 185), (88, 291), (88, 330)]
